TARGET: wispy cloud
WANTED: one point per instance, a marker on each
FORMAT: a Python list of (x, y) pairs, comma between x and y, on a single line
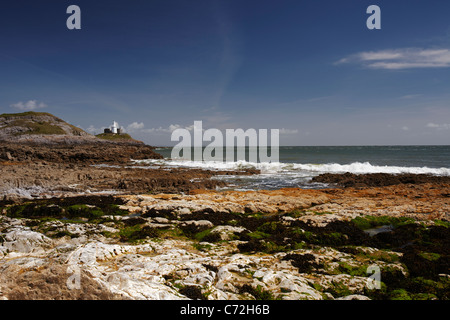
[(168, 129), (29, 105), (135, 126), (92, 129), (319, 98), (397, 59), (288, 131), (444, 126), (411, 96), (230, 58)]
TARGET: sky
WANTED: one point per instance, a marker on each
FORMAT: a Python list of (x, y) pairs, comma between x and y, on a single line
[(310, 68)]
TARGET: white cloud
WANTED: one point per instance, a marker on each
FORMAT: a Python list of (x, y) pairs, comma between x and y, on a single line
[(135, 126), (444, 126), (405, 128), (380, 55), (173, 127), (92, 130), (411, 96), (168, 129), (397, 59), (29, 105), (140, 127), (157, 130), (288, 131)]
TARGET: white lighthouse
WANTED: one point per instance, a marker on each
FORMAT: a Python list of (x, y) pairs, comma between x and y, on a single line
[(115, 127)]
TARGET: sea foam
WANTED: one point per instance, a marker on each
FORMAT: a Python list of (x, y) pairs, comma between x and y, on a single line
[(279, 167)]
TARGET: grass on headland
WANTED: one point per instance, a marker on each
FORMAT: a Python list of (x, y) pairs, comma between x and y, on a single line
[(28, 113), (114, 137), (33, 127)]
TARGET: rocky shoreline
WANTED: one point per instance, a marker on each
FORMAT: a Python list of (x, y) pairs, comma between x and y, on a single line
[(80, 220), (54, 168), (28, 180), (284, 244)]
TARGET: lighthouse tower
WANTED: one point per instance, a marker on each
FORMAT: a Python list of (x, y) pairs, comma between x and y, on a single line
[(115, 127)]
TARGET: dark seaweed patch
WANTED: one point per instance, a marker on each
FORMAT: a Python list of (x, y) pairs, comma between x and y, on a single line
[(304, 262), (192, 292)]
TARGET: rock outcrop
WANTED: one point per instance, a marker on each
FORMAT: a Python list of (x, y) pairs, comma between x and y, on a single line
[(38, 136), (83, 152), (44, 179)]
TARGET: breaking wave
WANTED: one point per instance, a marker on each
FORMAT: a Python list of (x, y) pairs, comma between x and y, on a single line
[(313, 169)]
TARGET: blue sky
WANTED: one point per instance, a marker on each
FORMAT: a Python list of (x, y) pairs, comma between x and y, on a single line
[(309, 68)]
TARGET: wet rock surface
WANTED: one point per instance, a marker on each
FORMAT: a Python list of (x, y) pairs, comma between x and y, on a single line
[(378, 179), (48, 179)]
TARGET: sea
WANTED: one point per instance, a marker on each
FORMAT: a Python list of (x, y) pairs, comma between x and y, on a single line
[(297, 165)]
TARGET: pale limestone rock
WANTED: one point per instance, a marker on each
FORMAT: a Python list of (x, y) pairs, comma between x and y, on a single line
[(206, 224), (24, 241), (183, 211), (287, 282), (226, 232), (319, 220), (354, 297), (161, 220)]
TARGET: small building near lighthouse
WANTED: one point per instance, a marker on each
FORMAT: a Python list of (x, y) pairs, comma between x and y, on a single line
[(116, 133)]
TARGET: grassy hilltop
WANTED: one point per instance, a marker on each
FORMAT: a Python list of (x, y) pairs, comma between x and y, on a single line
[(36, 123)]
